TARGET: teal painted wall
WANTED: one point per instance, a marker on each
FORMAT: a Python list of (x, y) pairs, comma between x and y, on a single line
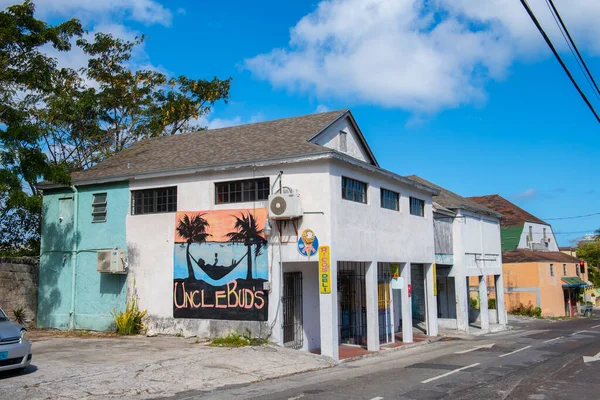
[(68, 279)]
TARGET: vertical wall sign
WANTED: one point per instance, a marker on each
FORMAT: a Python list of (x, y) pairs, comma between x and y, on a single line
[(324, 270), (434, 280), (409, 290)]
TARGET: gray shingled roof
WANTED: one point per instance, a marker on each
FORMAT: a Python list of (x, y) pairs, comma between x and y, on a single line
[(452, 200), (252, 142)]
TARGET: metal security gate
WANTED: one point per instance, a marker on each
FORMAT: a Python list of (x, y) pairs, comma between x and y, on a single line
[(353, 303), (384, 280), (293, 333)]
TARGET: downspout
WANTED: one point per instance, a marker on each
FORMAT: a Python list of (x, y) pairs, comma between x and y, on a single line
[(76, 254)]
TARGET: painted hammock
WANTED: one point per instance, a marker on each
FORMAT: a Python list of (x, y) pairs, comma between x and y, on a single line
[(214, 271)]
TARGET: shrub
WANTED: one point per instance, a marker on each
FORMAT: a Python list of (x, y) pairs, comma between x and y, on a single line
[(474, 303), (19, 315), (130, 321), (234, 339), (528, 311), (492, 304)]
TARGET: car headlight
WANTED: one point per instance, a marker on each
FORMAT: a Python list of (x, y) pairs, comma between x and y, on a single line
[(24, 336)]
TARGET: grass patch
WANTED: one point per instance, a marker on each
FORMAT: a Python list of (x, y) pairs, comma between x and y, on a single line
[(234, 339), (527, 311)]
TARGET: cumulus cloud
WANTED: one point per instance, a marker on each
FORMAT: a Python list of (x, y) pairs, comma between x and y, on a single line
[(413, 54)]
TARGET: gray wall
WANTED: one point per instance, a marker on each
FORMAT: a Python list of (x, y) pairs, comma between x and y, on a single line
[(19, 285), (442, 228)]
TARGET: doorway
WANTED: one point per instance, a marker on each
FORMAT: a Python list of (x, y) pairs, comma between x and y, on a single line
[(293, 336), (353, 304)]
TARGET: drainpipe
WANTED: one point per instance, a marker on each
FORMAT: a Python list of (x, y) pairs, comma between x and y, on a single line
[(75, 253)]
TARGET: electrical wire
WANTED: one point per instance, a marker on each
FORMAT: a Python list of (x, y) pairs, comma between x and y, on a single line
[(575, 217), (557, 15), (571, 44), (549, 42)]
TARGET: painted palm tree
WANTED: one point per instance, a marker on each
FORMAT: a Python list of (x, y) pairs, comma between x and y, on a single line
[(247, 232), (193, 230)]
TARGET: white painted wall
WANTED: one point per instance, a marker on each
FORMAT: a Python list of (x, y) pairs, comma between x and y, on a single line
[(538, 235), (331, 138)]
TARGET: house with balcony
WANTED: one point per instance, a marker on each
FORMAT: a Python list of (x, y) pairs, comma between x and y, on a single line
[(289, 228)]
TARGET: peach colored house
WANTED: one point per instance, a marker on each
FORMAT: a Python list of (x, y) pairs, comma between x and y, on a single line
[(535, 271), (552, 281)]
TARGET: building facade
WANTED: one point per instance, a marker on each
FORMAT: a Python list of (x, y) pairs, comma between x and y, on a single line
[(536, 273), (194, 226), (468, 259)]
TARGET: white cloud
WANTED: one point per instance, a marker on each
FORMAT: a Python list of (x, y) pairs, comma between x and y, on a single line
[(145, 11), (321, 108), (414, 54), (216, 123), (527, 194)]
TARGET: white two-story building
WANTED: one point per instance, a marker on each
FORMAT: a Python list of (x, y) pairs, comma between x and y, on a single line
[(289, 228), (468, 256)]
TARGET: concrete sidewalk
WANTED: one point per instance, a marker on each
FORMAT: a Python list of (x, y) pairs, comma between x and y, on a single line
[(141, 367)]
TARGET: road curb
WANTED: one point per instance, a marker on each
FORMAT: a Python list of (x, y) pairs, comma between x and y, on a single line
[(394, 349)]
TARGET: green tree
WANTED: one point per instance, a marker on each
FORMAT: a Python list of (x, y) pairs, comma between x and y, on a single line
[(137, 104), (590, 252), (248, 232), (27, 75)]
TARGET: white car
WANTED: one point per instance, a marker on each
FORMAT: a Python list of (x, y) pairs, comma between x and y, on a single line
[(15, 345)]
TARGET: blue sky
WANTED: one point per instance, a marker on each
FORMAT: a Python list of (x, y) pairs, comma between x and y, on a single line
[(461, 92)]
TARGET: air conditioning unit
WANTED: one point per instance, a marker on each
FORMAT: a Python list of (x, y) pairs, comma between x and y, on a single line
[(111, 261), (547, 240), (285, 206)]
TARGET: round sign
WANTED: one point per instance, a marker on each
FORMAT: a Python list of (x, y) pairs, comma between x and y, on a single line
[(308, 250)]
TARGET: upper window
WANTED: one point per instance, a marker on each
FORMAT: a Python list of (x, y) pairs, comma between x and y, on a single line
[(417, 207), (577, 269), (152, 201), (354, 190), (343, 141), (240, 191), (551, 269), (564, 269), (390, 200), (99, 207)]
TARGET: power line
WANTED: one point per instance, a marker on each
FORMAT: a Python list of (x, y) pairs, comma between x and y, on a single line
[(547, 39), (574, 45), (577, 216)]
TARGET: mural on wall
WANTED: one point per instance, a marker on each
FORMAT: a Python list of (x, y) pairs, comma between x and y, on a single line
[(221, 264)]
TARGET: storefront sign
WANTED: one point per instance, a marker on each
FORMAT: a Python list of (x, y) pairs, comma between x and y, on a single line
[(434, 280), (308, 243), (324, 270), (409, 290), (395, 271)]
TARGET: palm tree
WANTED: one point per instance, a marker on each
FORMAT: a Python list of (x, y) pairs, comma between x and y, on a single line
[(194, 231), (248, 233)]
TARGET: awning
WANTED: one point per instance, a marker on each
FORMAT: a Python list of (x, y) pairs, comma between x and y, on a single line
[(573, 282)]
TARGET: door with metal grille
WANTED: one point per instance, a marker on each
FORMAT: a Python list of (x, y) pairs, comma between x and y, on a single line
[(293, 334), (353, 304), (384, 307)]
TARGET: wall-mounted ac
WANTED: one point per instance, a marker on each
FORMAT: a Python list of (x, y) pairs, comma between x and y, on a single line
[(284, 206), (547, 240), (111, 262)]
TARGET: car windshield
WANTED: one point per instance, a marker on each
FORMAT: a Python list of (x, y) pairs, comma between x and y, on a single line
[(3, 316)]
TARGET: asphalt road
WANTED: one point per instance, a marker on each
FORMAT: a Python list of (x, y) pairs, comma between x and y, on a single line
[(537, 360)]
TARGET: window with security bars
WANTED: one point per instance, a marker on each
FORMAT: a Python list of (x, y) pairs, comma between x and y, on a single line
[(354, 190), (241, 191), (390, 200), (99, 207), (417, 207), (154, 201)]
